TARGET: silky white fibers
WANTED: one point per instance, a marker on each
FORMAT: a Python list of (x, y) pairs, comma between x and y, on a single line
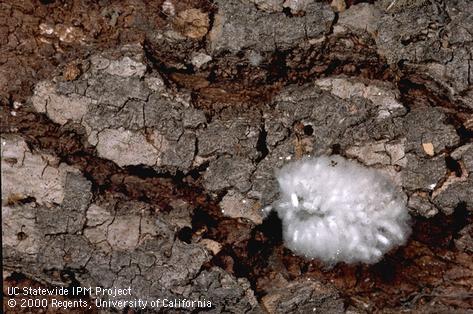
[(337, 210)]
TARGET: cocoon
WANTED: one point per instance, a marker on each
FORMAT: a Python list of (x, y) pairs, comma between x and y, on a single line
[(337, 210)]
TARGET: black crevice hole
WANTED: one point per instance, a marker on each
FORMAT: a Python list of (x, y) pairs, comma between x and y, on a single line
[(21, 236), (185, 234), (453, 166), (336, 149), (308, 130), (287, 12)]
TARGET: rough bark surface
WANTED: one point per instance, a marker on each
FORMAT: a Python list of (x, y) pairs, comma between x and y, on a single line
[(140, 141)]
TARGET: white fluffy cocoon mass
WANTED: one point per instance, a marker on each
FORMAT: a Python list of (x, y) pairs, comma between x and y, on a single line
[(337, 210)]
